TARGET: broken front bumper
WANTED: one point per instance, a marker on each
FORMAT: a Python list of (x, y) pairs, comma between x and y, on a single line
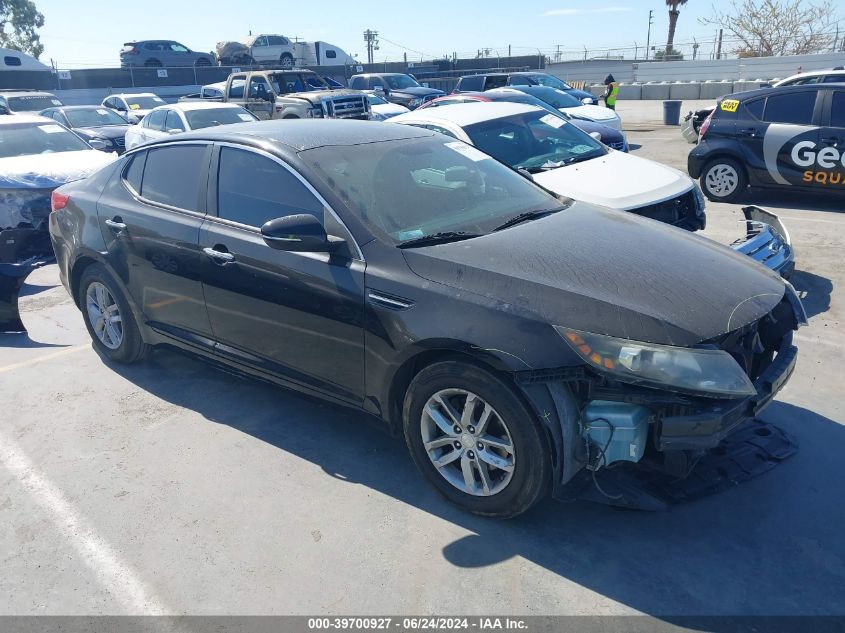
[(709, 425), (767, 241)]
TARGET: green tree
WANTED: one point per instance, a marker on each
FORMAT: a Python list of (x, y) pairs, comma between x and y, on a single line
[(673, 21), (19, 20)]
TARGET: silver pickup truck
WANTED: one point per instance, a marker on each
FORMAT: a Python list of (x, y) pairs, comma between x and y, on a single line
[(287, 94)]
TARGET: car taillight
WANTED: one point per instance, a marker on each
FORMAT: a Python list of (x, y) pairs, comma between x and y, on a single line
[(58, 200), (705, 126)]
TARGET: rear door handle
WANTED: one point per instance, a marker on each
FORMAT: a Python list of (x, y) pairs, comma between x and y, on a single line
[(116, 224), (219, 256), (749, 131), (831, 140)]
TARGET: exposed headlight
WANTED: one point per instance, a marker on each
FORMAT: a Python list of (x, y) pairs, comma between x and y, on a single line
[(375, 116), (314, 113), (415, 103), (710, 372)]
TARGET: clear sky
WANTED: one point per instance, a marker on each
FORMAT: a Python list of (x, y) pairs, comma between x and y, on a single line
[(90, 32)]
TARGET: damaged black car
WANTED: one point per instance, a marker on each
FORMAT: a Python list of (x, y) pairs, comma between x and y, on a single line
[(516, 339)]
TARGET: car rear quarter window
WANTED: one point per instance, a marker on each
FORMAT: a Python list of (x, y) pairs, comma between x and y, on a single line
[(793, 107), (155, 120), (495, 82), (252, 189), (173, 176), (134, 171), (837, 111), (754, 108), (174, 122)]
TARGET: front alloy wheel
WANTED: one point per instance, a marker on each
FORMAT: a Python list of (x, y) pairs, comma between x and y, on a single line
[(467, 442)]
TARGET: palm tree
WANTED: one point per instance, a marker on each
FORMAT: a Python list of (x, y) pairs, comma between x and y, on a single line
[(673, 22)]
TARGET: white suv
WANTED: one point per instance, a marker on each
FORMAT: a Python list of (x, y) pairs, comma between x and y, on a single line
[(834, 75)]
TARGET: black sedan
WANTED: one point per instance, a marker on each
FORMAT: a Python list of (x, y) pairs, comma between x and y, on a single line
[(93, 123), (513, 337)]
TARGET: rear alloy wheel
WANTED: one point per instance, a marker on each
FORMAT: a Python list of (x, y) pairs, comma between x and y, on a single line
[(474, 439), (723, 180), (108, 317), (286, 60)]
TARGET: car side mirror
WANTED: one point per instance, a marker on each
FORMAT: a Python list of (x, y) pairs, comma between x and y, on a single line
[(301, 232), (596, 135), (97, 143)]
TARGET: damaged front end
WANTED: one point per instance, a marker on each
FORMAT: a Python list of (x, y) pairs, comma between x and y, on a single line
[(24, 246), (634, 444), (767, 241)]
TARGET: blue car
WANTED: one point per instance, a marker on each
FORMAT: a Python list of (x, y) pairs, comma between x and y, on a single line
[(472, 83)]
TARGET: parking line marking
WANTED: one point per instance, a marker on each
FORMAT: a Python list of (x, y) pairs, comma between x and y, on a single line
[(116, 576), (45, 357)]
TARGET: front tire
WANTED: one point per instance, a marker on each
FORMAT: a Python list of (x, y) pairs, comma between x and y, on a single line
[(286, 60), (474, 439), (723, 180), (109, 318)]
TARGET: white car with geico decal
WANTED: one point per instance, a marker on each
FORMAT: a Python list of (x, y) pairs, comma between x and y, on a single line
[(183, 117), (566, 160)]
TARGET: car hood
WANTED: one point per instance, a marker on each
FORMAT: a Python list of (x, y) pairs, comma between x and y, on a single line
[(616, 180), (592, 112), (48, 171), (104, 131), (389, 109), (580, 94), (421, 91), (609, 273)]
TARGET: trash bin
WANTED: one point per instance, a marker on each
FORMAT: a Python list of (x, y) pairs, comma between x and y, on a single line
[(672, 112)]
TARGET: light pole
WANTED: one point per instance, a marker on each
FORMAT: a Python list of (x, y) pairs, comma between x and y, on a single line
[(648, 37)]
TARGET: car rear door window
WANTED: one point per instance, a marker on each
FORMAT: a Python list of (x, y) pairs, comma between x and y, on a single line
[(252, 189), (792, 107), (155, 120), (358, 83), (174, 122), (174, 176), (837, 110), (468, 84), (755, 108)]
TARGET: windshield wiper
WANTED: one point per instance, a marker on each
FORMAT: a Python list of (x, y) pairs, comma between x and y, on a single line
[(438, 238), (526, 216)]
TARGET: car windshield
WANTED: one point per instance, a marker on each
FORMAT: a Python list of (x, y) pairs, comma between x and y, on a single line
[(41, 138), (32, 103), (408, 189), (398, 82), (551, 82), (554, 97), (534, 141), (94, 117), (375, 100), (144, 102), (209, 117)]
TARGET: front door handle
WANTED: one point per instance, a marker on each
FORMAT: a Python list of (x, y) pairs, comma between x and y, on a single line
[(831, 140), (219, 256), (116, 224)]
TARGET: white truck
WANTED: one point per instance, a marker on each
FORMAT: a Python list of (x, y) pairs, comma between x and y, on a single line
[(278, 50), (287, 94)]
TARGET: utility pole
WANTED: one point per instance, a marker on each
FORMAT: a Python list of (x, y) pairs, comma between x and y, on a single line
[(371, 38), (648, 37), (719, 46), (557, 52)]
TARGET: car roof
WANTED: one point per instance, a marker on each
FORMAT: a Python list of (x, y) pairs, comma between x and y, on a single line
[(463, 114), (189, 106), (381, 75), (486, 75), (131, 94), (77, 107), (25, 118), (25, 92), (813, 73), (750, 94), (305, 134)]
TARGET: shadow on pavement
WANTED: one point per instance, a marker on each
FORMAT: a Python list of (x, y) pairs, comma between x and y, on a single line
[(772, 546), (787, 200), (22, 341), (814, 291)]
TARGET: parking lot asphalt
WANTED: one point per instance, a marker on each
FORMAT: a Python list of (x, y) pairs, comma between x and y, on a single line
[(172, 487)]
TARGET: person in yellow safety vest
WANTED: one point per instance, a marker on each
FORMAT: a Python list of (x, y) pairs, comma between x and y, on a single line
[(611, 92)]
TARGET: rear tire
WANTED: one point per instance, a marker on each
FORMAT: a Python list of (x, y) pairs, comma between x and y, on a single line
[(286, 60), (723, 180), (493, 458), (109, 318)]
